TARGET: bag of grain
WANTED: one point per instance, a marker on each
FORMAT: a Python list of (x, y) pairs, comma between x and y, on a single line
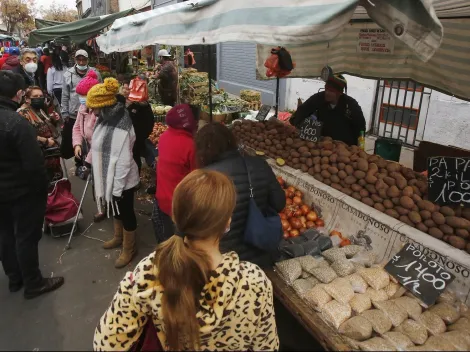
[(357, 328)]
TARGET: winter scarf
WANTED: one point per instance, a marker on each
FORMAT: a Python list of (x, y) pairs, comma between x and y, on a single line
[(114, 169)]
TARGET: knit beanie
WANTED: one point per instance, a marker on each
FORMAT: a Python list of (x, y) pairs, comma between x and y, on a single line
[(181, 117), (337, 83), (90, 80), (103, 95)]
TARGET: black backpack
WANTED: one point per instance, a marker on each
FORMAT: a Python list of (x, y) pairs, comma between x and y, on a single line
[(285, 60)]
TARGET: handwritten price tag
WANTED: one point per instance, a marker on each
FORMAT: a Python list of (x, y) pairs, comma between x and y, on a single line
[(418, 273), (310, 129)]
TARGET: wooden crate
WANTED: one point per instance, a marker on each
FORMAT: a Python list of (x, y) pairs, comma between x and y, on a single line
[(254, 105)]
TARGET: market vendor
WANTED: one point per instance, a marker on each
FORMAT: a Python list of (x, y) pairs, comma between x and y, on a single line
[(340, 114), (167, 79)]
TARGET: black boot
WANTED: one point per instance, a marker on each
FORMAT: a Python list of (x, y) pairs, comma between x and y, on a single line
[(47, 285), (15, 286)]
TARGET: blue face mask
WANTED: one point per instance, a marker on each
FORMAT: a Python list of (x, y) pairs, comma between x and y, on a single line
[(82, 100), (82, 68)]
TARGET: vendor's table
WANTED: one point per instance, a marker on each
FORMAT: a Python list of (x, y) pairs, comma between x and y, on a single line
[(307, 317)]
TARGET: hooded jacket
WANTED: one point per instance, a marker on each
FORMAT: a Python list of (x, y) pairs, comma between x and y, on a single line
[(70, 103), (236, 311), (266, 191), (11, 63)]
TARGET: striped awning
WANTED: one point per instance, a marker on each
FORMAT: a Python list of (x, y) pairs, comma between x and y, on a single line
[(447, 71), (272, 22)]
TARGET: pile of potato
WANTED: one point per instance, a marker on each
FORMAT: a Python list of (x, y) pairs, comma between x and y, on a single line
[(387, 186)]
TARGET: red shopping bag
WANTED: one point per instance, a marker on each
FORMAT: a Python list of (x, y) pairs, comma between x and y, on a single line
[(61, 204)]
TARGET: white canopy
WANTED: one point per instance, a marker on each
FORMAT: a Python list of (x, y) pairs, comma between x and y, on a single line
[(272, 22)]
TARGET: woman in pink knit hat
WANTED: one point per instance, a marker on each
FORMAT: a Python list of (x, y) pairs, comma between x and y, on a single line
[(82, 132)]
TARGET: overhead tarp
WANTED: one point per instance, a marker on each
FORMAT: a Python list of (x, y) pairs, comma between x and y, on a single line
[(272, 22), (78, 31), (447, 71), (40, 23)]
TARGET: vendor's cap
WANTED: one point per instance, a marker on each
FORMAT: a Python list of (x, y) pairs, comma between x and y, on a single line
[(81, 52), (164, 53), (103, 95), (337, 83)]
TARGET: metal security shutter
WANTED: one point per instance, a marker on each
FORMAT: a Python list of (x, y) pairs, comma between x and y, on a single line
[(237, 70)]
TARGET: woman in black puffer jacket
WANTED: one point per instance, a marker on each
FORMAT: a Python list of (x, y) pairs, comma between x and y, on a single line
[(216, 149)]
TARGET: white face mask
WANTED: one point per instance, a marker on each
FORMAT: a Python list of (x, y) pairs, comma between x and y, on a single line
[(31, 67), (82, 100)]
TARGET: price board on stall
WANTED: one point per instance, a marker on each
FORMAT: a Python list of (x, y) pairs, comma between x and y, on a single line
[(263, 112), (311, 128), (449, 181), (417, 272)]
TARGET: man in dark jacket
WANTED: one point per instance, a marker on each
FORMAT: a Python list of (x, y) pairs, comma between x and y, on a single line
[(216, 149), (167, 79), (23, 194), (341, 115), (27, 65)]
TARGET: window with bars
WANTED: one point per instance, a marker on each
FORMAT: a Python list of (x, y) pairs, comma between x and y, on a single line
[(399, 116), (408, 85)]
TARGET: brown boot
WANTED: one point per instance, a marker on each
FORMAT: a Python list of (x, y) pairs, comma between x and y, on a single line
[(128, 250), (116, 241)]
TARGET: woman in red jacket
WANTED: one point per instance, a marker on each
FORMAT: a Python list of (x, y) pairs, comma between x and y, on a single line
[(176, 159)]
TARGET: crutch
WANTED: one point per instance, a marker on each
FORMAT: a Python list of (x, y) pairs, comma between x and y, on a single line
[(88, 180)]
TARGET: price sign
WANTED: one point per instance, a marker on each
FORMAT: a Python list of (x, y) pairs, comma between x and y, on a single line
[(449, 181), (417, 272), (310, 130), (263, 112)]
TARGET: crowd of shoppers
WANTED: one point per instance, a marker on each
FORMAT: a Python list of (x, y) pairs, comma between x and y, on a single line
[(201, 204)]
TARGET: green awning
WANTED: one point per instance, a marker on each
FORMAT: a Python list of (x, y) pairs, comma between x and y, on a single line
[(78, 31), (40, 23)]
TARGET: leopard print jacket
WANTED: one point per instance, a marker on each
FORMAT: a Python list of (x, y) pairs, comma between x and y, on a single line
[(236, 310)]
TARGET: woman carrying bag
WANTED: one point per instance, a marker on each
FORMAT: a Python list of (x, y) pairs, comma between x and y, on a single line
[(217, 149)]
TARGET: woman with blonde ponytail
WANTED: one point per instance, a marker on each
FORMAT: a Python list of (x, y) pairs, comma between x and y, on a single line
[(196, 297)]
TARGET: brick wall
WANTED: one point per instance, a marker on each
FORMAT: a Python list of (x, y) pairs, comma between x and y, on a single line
[(113, 6)]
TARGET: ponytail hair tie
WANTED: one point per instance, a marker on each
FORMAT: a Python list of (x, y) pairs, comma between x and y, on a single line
[(180, 234)]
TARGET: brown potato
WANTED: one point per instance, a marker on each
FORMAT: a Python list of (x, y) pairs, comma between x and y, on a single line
[(402, 211), (426, 205), (466, 213), (416, 198), (447, 211), (364, 193), (422, 227), (414, 217), (457, 242), (388, 204), (380, 207), (446, 229), (436, 233), (317, 168), (368, 201), (462, 233), (406, 202), (356, 188), (333, 170), (371, 179), (347, 191), (359, 174), (325, 166), (343, 159), (390, 181), (311, 171), (393, 192), (393, 213), (327, 181), (344, 152), (335, 179), (376, 198), (336, 186), (354, 157), (425, 214), (289, 141), (350, 180), (379, 184), (438, 218), (362, 165), (306, 154), (318, 177), (341, 166), (362, 183), (356, 195), (325, 160), (349, 169), (309, 162), (342, 174), (401, 182), (406, 220), (303, 149), (304, 168), (315, 152), (430, 223), (317, 160), (408, 191), (382, 193), (371, 189), (334, 158), (456, 222), (326, 153), (325, 174), (393, 167)]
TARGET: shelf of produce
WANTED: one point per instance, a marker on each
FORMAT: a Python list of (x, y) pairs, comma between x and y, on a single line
[(350, 216), (306, 316)]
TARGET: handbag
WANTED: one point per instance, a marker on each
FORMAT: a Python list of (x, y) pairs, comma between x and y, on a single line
[(61, 204), (261, 231), (148, 340)]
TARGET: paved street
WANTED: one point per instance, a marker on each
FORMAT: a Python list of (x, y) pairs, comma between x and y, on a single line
[(66, 319)]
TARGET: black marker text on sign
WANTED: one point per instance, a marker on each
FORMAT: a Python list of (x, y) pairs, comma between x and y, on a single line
[(449, 180), (417, 272), (311, 129)]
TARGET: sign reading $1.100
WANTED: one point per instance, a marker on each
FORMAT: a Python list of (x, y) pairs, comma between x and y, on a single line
[(310, 129)]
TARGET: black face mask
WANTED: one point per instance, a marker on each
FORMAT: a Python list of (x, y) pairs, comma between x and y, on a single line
[(37, 103)]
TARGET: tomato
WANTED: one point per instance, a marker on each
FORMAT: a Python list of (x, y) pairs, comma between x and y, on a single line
[(345, 242)]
